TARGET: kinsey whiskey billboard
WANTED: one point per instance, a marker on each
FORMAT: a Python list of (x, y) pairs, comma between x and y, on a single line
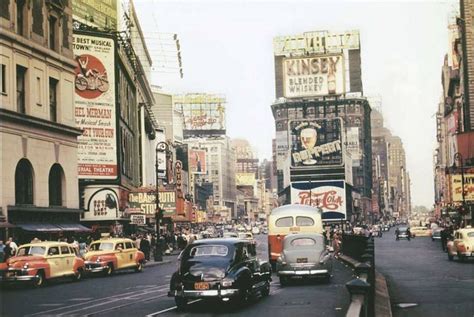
[(315, 143), (330, 196)]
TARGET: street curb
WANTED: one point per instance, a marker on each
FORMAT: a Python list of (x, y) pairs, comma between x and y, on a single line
[(153, 263), (383, 307)]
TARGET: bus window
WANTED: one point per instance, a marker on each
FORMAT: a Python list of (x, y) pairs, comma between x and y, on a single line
[(304, 221), (284, 222)]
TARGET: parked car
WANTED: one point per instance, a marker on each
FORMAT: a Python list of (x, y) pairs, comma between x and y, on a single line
[(463, 244), (109, 255), (420, 232), (219, 268), (436, 234), (386, 227), (42, 261), (304, 255)]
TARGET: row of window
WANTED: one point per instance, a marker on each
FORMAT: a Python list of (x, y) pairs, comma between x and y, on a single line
[(22, 88), (24, 184)]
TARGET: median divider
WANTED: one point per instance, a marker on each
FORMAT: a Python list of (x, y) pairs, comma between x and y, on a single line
[(369, 291)]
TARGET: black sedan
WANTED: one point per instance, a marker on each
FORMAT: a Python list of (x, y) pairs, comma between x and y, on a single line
[(219, 268)]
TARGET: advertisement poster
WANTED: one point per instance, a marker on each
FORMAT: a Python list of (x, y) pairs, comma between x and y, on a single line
[(330, 196), (145, 202), (313, 76), (201, 111), (95, 107), (197, 161), (456, 187), (245, 179), (101, 204), (353, 145), (316, 142)]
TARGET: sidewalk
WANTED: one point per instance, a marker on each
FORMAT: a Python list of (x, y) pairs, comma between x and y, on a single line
[(166, 259)]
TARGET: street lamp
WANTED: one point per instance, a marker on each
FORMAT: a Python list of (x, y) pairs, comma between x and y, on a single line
[(160, 148), (458, 156)]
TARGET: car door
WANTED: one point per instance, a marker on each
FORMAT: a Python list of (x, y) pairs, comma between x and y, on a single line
[(66, 261), (130, 251), (249, 256), (53, 258), (457, 239), (120, 253)]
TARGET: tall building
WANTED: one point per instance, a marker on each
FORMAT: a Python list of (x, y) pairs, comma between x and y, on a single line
[(38, 134)]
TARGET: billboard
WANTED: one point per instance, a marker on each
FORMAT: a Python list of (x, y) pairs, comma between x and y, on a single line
[(330, 196), (245, 179), (316, 42), (145, 202), (95, 106), (101, 14), (315, 143), (353, 145), (197, 161), (456, 187), (202, 112), (101, 204), (313, 76)]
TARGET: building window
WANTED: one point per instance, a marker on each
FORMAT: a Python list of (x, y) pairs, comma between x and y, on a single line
[(55, 182), (20, 89), (53, 99), (52, 32), (3, 78), (20, 16), (65, 31), (38, 17), (5, 9), (24, 183)]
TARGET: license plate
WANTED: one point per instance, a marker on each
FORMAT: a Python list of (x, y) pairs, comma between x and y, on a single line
[(302, 260), (201, 286)]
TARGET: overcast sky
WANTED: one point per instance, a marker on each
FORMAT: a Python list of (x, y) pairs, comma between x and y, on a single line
[(227, 48)]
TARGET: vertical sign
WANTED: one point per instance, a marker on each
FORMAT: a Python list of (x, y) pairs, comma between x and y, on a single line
[(95, 106)]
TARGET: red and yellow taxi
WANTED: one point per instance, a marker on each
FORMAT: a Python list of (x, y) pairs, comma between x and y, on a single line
[(109, 255), (41, 261), (463, 244)]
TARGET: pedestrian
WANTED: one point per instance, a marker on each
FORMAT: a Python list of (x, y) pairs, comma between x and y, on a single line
[(13, 246), (336, 243), (2, 251), (145, 247), (7, 251), (444, 238)]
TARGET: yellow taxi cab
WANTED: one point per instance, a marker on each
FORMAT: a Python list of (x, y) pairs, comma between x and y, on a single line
[(463, 244), (245, 235), (109, 255), (41, 261), (420, 232)]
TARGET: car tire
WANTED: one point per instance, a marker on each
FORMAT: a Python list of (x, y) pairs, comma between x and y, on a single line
[(139, 267), (266, 290), (39, 281), (181, 303), (77, 276), (283, 280), (461, 258), (110, 270)]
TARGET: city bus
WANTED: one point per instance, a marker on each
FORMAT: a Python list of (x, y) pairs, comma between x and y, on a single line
[(289, 219)]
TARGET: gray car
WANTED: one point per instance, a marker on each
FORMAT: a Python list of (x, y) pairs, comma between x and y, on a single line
[(304, 255)]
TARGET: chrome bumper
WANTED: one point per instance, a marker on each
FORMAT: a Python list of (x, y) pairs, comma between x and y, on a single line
[(14, 278), (204, 293), (297, 272), (94, 267)]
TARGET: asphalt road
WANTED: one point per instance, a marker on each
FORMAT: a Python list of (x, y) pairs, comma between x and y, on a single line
[(145, 294), (418, 272)]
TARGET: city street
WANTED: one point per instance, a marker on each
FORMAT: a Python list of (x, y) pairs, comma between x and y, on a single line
[(145, 294), (418, 272)]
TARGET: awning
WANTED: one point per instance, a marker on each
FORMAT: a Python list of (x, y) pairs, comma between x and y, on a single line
[(5, 224), (41, 227), (76, 227)]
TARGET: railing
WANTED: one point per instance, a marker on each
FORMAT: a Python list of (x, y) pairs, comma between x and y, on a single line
[(358, 251)]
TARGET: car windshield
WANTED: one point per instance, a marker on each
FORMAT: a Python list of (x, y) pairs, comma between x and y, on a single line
[(208, 251), (470, 235), (102, 246), (31, 250)]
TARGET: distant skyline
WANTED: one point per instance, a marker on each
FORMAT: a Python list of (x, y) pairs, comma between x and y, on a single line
[(227, 48)]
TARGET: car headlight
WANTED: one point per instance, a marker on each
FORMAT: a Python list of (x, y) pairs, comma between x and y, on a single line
[(26, 266), (98, 260), (227, 282)]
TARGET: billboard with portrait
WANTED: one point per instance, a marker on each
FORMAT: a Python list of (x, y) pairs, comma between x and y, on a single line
[(95, 106), (315, 143), (202, 112), (197, 161), (313, 76), (330, 196)]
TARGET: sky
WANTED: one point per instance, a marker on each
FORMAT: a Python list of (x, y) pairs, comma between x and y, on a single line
[(226, 48)]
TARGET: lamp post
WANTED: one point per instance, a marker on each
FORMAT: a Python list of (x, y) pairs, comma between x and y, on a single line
[(458, 156), (160, 148)]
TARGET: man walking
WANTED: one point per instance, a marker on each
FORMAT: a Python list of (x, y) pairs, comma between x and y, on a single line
[(444, 238)]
